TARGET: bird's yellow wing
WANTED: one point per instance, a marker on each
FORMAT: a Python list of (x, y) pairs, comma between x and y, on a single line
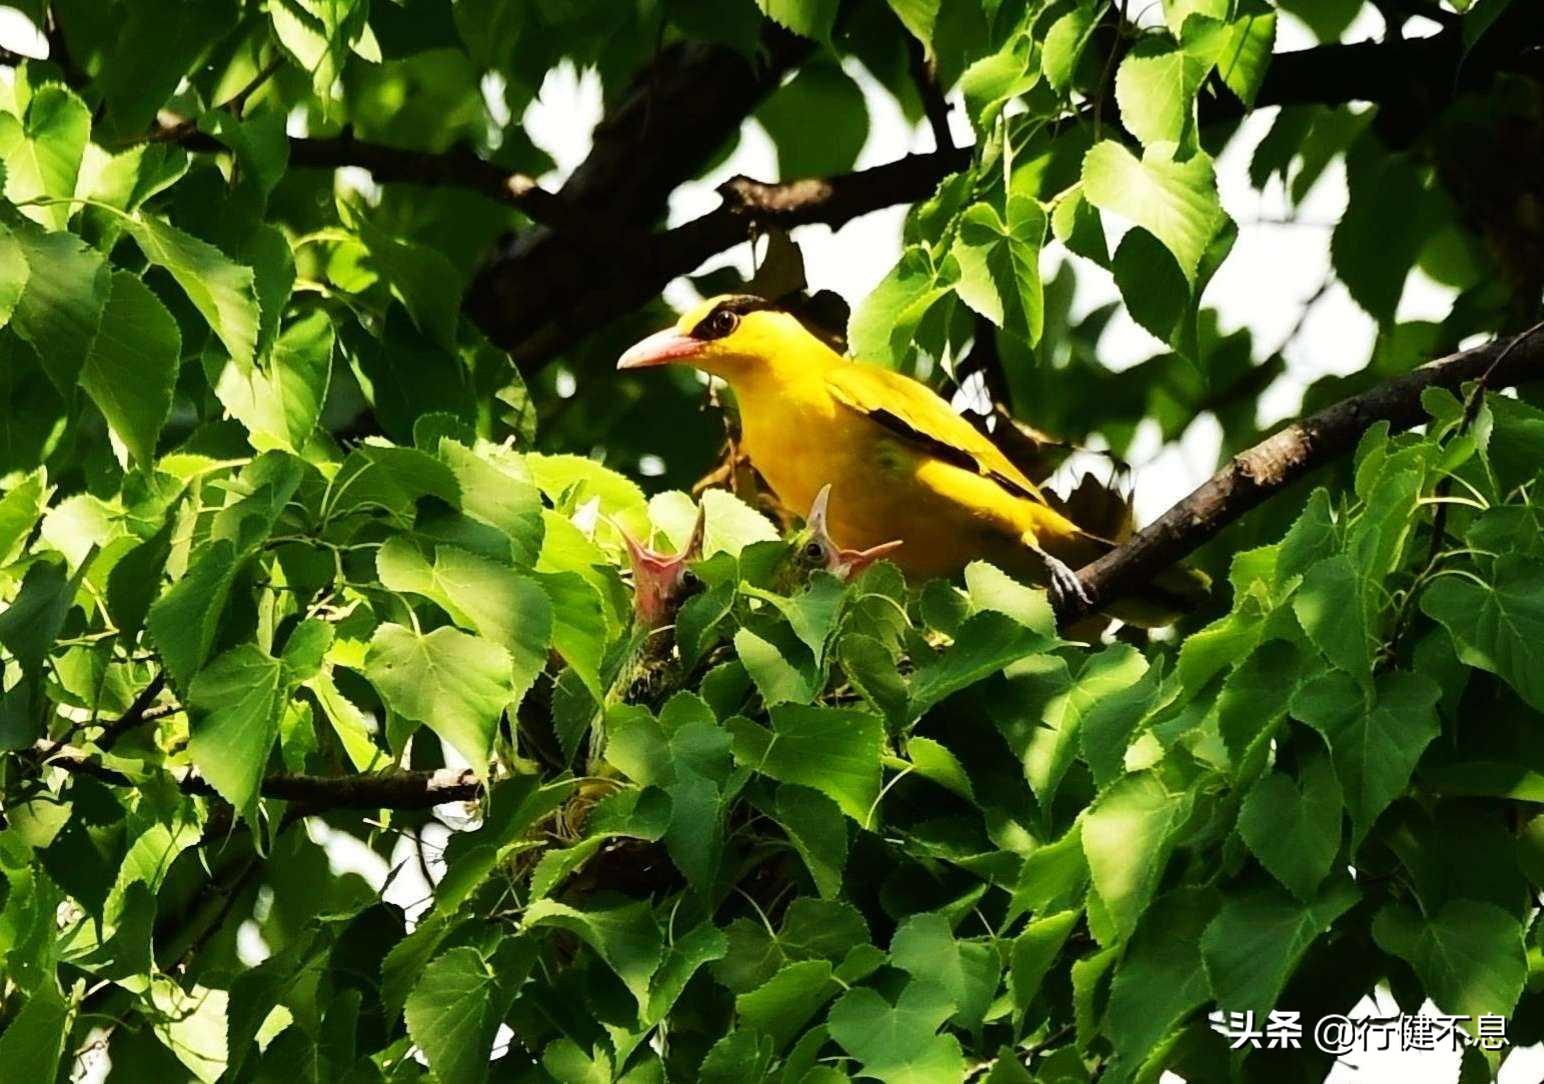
[(912, 412)]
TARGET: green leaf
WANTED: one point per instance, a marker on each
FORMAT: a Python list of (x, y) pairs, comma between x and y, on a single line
[(998, 78), (14, 273), (1259, 937), (983, 645), (741, 1055), (819, 88), (925, 946), (318, 34), (422, 278), (816, 829), (623, 933), (281, 403), (1034, 953), (570, 1065), (898, 1043), (1000, 265), (810, 18), (1375, 740), (35, 617), (20, 509), (496, 488), (782, 1006), (832, 750), (1065, 41), (1469, 956), (1255, 696), (489, 599), (132, 367), (1246, 54), (1176, 201), (1127, 838), (237, 701), (578, 625), (60, 308), (455, 683), (777, 679), (1332, 607), (220, 289), (453, 1014), (1160, 979), (882, 327), (1156, 89), (1047, 737), (1294, 828), (1388, 217), (1497, 625), (683, 959), (918, 16), (933, 760), (184, 620), (1053, 877), (992, 589), (33, 1043), (1110, 723), (42, 153)]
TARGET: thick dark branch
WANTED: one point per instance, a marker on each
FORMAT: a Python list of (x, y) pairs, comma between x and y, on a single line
[(681, 112), (1302, 447), (542, 295)]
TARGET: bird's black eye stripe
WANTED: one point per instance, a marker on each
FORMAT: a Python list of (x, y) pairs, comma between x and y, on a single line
[(725, 316), (716, 325)]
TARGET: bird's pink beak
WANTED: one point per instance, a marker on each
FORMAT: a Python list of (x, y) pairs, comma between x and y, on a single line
[(661, 348)]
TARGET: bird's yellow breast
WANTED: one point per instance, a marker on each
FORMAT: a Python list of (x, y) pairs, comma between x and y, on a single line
[(882, 489)]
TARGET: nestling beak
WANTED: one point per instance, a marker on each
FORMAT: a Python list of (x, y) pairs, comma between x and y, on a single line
[(851, 562), (843, 563), (661, 582), (661, 348)]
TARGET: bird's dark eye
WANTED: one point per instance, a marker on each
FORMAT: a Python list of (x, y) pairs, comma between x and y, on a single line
[(690, 580), (814, 551), (718, 325)]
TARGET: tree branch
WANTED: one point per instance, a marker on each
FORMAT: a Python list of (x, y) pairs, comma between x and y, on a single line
[(540, 296), (381, 790), (458, 167), (924, 75), (1281, 459)]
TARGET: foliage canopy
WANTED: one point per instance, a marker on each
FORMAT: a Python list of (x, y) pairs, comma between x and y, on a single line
[(311, 493)]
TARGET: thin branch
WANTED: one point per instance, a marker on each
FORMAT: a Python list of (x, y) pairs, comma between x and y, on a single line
[(140, 711), (641, 267), (1276, 462), (924, 75), (458, 167), (381, 790)]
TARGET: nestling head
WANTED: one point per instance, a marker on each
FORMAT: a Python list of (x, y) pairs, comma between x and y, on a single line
[(730, 336), (812, 548), (662, 582)]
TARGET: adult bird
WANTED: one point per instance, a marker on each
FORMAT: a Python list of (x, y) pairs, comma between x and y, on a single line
[(903, 466)]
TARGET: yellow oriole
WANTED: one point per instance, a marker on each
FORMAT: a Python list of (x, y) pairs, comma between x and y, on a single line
[(902, 465)]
